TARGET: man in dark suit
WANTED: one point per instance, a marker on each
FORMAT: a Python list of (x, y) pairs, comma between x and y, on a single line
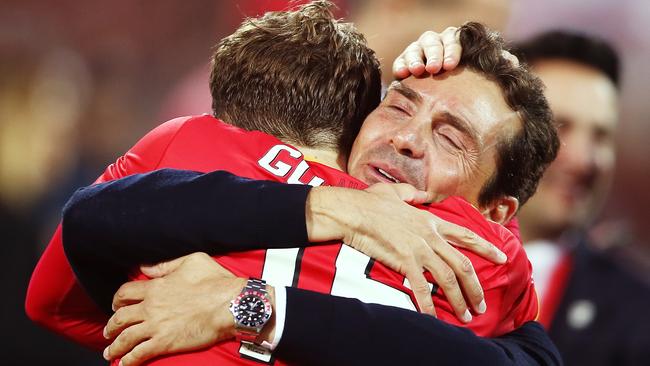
[(595, 311)]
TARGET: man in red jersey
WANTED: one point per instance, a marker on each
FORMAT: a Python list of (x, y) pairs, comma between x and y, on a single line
[(194, 128)]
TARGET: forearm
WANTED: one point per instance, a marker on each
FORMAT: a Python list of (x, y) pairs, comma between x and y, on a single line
[(321, 329), (112, 227), (216, 212)]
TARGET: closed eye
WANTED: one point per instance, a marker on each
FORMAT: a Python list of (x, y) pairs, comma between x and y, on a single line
[(398, 109), (450, 141)]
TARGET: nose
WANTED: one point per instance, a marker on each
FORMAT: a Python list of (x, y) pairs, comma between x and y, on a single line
[(407, 141), (579, 152)]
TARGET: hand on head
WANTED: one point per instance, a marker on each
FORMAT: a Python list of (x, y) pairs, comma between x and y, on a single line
[(433, 53)]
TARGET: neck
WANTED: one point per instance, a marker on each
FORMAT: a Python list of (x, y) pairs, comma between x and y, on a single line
[(328, 157)]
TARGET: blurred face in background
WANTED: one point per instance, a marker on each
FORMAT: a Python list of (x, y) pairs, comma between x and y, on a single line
[(42, 99), (585, 108)]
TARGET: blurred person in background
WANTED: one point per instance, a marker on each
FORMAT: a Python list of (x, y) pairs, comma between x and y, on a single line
[(76, 80), (596, 311), (42, 95)]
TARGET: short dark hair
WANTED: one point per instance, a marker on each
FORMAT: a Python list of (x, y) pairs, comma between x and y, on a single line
[(521, 159), (299, 75), (577, 47)]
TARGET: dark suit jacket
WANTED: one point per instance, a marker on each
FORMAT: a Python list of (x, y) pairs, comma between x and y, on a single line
[(101, 231), (330, 330), (604, 316)]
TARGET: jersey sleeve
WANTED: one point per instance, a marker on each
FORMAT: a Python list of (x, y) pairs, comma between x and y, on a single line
[(509, 291), (508, 288), (54, 299), (520, 299), (146, 154), (513, 226)]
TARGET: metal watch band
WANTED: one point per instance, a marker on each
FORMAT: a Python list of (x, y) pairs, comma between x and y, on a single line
[(245, 333), (255, 284)]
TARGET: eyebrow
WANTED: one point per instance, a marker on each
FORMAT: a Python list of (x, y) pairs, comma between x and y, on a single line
[(407, 92), (459, 123)]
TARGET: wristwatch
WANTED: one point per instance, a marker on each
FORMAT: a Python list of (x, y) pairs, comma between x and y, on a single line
[(251, 309)]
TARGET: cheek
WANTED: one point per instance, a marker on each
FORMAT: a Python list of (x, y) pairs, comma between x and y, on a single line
[(374, 130), (465, 176), (376, 125), (443, 176), (567, 145), (605, 159), (369, 135)]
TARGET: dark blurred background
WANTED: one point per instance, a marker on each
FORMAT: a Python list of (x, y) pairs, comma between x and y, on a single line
[(81, 81)]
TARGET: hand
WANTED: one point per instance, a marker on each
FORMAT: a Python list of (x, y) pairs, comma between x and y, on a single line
[(153, 317), (432, 52), (380, 223)]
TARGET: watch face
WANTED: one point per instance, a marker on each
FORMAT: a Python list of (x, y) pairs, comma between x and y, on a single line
[(252, 310)]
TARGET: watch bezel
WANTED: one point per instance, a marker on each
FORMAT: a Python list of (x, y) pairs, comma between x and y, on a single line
[(268, 309)]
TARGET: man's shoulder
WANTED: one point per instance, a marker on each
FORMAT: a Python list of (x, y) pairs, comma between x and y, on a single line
[(460, 212), (205, 143), (200, 126), (509, 285), (457, 210), (167, 133), (609, 286), (606, 270), (603, 300)]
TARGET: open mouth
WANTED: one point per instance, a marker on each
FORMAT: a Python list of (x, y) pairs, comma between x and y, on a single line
[(386, 175)]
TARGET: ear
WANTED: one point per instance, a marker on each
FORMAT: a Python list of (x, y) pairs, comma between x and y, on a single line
[(502, 209)]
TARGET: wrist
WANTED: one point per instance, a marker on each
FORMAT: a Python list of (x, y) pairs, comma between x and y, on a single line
[(252, 309), (323, 214), (227, 329)]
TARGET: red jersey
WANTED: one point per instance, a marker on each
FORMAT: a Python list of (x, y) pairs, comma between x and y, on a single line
[(205, 144)]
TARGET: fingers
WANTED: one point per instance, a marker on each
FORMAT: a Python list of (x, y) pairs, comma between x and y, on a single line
[(421, 289), (126, 341), (130, 293), (432, 47), (465, 274), (446, 279), (410, 194), (413, 57), (419, 197), (140, 353), (404, 192), (409, 62), (432, 52), (400, 69), (465, 238), (123, 318), (450, 38)]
